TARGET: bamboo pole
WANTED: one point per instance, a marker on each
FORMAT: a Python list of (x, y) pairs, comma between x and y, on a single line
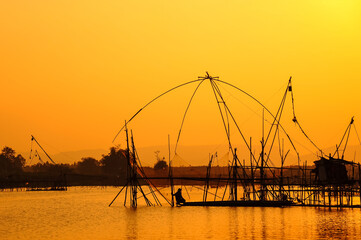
[(170, 173)]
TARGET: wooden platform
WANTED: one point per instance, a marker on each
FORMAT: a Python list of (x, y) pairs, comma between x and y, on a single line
[(240, 203)]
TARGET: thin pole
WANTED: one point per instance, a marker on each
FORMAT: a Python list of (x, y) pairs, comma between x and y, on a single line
[(353, 183), (32, 138), (129, 177), (118, 194), (235, 174), (135, 183), (359, 181), (282, 162), (262, 161), (170, 174), (126, 122), (252, 173), (208, 172)]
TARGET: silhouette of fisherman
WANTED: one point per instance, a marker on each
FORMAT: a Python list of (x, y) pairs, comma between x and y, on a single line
[(179, 198)]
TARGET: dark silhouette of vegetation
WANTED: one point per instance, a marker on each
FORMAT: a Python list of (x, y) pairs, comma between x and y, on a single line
[(115, 162), (10, 163), (50, 168), (161, 164), (88, 165), (109, 170)]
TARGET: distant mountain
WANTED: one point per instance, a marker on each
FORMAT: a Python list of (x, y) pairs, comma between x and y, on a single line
[(69, 156), (186, 155), (75, 156), (199, 155)]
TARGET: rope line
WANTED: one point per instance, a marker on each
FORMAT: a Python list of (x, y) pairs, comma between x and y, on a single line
[(296, 121), (357, 134), (151, 102), (256, 100), (185, 114)]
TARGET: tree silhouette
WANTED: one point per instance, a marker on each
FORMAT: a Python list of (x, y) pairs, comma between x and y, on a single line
[(88, 165), (115, 162), (161, 163), (10, 163)]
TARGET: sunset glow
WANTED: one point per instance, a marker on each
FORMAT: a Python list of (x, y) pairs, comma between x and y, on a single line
[(72, 72)]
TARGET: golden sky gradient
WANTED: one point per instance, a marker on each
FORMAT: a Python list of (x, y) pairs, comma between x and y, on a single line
[(71, 72)]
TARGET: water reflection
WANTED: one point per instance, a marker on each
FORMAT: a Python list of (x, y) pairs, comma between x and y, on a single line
[(84, 214), (233, 223), (132, 223), (283, 223), (170, 218), (209, 219), (333, 223)]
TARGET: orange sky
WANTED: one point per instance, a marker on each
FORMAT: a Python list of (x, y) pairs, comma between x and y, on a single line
[(71, 72)]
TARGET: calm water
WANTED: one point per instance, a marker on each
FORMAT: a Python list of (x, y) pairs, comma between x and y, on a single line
[(83, 213)]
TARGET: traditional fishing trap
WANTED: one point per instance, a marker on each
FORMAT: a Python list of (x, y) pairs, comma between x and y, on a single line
[(332, 181)]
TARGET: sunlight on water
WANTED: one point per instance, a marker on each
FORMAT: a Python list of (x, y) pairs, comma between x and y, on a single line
[(83, 213)]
